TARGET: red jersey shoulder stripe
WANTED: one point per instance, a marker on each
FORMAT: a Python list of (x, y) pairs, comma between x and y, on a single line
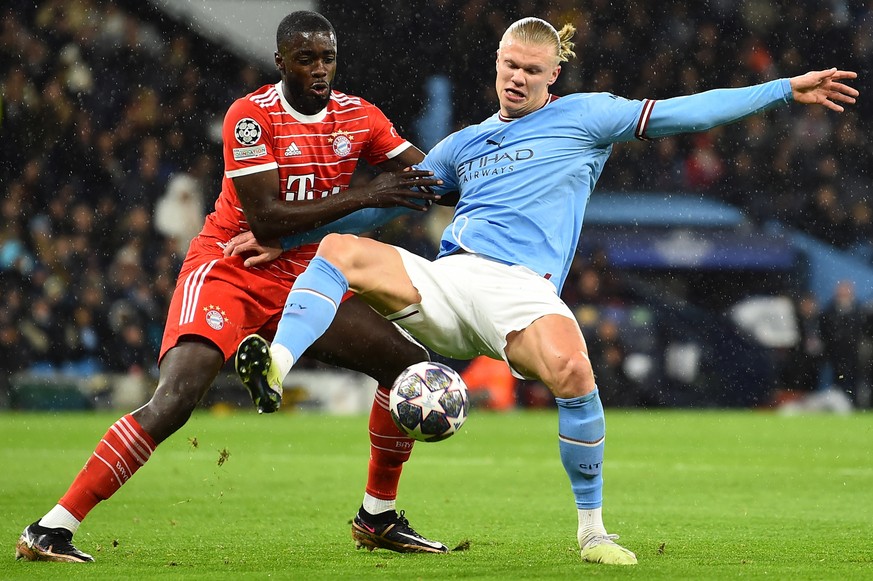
[(344, 99), (266, 99)]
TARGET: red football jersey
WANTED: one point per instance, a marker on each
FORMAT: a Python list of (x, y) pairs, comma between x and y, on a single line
[(316, 155)]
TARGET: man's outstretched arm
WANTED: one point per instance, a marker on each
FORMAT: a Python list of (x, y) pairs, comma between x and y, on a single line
[(703, 111)]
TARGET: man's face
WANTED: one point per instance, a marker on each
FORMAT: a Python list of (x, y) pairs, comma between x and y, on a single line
[(524, 73), (307, 63)]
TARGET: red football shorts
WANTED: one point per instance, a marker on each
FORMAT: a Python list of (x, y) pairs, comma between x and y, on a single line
[(221, 300)]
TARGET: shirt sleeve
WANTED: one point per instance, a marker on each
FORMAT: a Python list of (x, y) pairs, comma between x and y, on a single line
[(363, 220), (247, 140), (439, 161), (612, 119), (709, 109)]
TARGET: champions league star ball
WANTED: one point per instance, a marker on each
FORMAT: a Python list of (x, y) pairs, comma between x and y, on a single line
[(428, 401)]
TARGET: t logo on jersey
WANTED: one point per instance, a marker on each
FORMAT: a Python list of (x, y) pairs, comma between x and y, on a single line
[(299, 188), (342, 142)]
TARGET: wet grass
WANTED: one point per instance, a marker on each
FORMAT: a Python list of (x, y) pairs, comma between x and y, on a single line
[(697, 495)]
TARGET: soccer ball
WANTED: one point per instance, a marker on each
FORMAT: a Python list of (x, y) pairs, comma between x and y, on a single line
[(428, 401)]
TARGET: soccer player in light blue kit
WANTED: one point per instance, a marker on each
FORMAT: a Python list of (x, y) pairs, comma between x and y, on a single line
[(524, 177)]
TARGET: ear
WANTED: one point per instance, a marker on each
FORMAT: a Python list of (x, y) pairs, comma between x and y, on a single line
[(555, 74), (280, 62)]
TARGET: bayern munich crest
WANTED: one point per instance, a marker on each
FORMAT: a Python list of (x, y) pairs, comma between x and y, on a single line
[(342, 143), (247, 131), (215, 318)]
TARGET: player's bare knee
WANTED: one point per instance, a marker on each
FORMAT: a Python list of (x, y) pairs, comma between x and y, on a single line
[(354, 257), (571, 376), (339, 249)]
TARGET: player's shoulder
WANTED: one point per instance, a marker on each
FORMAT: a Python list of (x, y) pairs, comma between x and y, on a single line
[(266, 91), (589, 105), (340, 101), (598, 99), (264, 98), (487, 125), (469, 133)]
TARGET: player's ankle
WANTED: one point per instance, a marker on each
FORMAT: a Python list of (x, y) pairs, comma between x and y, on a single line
[(377, 518)]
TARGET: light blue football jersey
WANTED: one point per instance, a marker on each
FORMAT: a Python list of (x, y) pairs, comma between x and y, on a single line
[(524, 183)]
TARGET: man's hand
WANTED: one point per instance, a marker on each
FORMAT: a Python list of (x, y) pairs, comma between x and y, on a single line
[(246, 243), (824, 88), (409, 188)]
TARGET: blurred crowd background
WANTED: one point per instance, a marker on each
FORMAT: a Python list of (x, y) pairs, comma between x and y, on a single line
[(110, 157)]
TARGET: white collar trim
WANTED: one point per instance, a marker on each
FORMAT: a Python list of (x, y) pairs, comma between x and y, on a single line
[(317, 118)]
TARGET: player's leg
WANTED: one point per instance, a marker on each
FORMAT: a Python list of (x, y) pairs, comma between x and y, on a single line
[(199, 336), (553, 350), (371, 269), (361, 340), (186, 373)]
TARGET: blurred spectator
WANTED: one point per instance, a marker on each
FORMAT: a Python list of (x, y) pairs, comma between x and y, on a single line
[(82, 342), (130, 353), (144, 183), (704, 166), (842, 330), (180, 212), (826, 218), (803, 369), (607, 353), (668, 173), (42, 334), (800, 375)]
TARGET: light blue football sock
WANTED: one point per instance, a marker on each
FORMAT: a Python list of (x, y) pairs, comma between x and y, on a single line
[(581, 434), (311, 306)]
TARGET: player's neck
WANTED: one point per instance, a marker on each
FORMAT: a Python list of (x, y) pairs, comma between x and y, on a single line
[(301, 111), (504, 117)]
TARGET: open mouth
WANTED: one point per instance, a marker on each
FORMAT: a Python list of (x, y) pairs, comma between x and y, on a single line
[(514, 95), (320, 89)]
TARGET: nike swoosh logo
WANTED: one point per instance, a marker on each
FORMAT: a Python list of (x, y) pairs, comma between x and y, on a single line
[(423, 541)]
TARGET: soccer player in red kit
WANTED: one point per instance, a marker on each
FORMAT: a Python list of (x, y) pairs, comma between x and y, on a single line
[(290, 149)]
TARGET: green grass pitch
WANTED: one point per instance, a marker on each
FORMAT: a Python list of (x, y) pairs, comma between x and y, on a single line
[(697, 495)]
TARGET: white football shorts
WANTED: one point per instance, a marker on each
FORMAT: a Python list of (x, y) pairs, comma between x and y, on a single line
[(469, 304)]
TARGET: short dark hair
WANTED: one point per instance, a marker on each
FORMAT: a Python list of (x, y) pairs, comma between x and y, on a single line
[(302, 21)]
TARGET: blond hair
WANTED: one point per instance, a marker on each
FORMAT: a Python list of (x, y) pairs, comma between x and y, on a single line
[(537, 31)]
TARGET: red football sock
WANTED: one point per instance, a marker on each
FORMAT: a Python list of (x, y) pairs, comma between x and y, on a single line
[(124, 448), (389, 449)]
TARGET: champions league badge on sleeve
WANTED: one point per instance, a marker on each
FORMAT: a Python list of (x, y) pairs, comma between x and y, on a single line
[(247, 131)]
